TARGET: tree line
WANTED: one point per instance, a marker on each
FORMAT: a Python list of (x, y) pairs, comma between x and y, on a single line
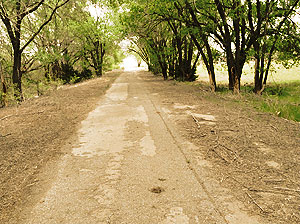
[(61, 40), (171, 36), (58, 39)]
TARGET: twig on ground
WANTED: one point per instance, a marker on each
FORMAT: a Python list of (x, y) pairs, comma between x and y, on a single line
[(248, 118), (288, 178), (252, 199), (8, 116), (287, 189), (272, 126), (195, 119), (3, 136), (244, 186), (270, 191), (274, 180), (221, 157), (228, 129), (33, 183), (209, 149), (39, 112), (228, 115), (216, 146), (198, 124), (230, 150), (5, 117)]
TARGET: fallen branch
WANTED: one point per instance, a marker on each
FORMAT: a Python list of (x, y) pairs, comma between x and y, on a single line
[(198, 124), (8, 116), (3, 136), (271, 191), (274, 180), (221, 157), (252, 199), (287, 189), (195, 119), (230, 150), (39, 112), (3, 118)]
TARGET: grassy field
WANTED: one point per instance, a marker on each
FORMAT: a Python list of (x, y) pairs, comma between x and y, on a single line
[(281, 96), (278, 74)]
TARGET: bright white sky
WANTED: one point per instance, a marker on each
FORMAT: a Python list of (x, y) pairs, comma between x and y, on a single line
[(96, 11), (130, 62)]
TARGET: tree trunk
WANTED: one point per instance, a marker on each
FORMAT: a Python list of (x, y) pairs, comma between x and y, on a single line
[(17, 75), (99, 72), (211, 71), (209, 63), (179, 72), (4, 87), (188, 69), (235, 68), (164, 68), (259, 69), (231, 69), (165, 72), (237, 80)]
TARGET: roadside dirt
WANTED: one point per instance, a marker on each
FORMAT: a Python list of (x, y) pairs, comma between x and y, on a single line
[(256, 155), (32, 135), (234, 149)]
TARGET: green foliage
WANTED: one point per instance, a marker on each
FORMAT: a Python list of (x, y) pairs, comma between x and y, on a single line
[(169, 35), (161, 38), (65, 50)]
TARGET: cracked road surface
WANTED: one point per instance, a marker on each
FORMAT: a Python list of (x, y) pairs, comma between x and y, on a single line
[(128, 166)]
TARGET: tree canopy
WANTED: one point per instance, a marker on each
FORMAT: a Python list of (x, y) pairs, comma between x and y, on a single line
[(175, 33), (58, 38)]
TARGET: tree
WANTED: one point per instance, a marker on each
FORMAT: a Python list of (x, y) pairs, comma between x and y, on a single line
[(98, 39), (275, 29), (163, 40), (13, 13), (92, 35), (200, 37), (238, 27)]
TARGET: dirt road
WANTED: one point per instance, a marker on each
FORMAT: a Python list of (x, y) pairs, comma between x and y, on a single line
[(146, 151), (129, 165)]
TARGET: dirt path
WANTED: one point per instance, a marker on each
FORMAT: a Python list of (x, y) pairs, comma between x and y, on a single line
[(31, 139), (128, 167), (159, 152)]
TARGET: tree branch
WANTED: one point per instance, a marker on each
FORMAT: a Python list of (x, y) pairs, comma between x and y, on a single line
[(6, 21), (32, 9), (43, 25)]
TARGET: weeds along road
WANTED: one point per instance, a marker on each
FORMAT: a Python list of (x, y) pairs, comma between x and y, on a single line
[(129, 165)]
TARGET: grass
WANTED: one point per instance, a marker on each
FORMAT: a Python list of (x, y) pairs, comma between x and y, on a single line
[(281, 96), (278, 74), (282, 100)]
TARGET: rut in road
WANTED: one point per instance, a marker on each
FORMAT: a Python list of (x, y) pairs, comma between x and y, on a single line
[(128, 166)]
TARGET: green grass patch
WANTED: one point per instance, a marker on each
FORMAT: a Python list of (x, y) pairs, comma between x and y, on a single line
[(281, 99), (281, 96)]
